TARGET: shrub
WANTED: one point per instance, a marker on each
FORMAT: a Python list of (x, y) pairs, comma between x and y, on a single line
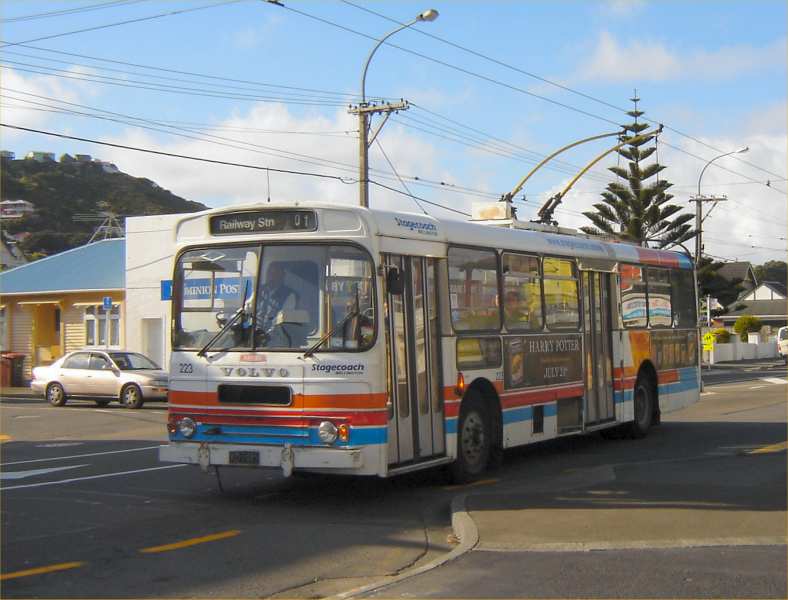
[(746, 324), (722, 336)]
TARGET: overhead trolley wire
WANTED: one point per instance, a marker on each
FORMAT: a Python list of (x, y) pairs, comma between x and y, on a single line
[(71, 11), (126, 22), (344, 180), (549, 82)]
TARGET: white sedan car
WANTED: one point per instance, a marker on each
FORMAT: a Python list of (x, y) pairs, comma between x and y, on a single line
[(103, 376)]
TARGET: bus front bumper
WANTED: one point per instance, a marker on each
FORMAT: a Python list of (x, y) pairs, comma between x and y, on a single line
[(242, 455)]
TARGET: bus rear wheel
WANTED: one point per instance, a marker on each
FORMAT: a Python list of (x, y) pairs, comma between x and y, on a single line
[(474, 440), (643, 399)]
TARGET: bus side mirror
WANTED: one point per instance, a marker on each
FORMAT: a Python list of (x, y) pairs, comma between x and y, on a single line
[(394, 282)]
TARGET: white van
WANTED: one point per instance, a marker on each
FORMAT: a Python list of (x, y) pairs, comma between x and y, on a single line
[(782, 343)]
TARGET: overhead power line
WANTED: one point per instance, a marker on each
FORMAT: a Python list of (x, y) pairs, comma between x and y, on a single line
[(550, 82), (118, 23), (71, 11), (344, 180)]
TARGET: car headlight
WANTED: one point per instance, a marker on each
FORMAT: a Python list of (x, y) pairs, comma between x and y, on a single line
[(327, 432), (160, 382), (187, 427)]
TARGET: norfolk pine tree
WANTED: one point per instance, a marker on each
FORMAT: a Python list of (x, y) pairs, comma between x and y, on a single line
[(639, 212)]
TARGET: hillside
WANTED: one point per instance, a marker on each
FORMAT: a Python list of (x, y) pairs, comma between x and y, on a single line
[(61, 190)]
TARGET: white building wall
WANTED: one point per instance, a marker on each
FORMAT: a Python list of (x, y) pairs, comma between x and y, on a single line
[(150, 250)]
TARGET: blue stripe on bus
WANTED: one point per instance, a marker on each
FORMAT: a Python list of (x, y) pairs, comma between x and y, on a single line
[(279, 436), (684, 261)]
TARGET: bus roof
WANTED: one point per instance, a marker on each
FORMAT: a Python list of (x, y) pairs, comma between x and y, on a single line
[(422, 227)]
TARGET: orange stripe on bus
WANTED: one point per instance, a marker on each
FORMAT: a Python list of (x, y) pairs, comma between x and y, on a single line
[(349, 401)]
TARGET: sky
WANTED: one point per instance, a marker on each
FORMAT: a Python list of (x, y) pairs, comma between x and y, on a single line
[(493, 88)]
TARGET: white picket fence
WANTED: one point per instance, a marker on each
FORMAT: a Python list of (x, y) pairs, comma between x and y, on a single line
[(738, 350)]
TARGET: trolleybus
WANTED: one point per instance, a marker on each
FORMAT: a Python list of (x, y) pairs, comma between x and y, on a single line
[(358, 341)]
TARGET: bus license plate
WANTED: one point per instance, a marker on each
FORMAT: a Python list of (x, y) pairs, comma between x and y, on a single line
[(244, 457)]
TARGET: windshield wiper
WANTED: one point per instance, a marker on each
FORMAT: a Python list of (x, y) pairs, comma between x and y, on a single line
[(240, 312), (322, 340)]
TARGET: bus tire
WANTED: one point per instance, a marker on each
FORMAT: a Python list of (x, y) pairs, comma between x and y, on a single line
[(643, 407), (474, 439)]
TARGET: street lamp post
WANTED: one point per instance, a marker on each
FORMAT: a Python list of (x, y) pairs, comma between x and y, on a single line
[(364, 110), (700, 199)]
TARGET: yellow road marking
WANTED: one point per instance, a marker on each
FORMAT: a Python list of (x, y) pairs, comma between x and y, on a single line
[(4, 438), (41, 570), (769, 449), (474, 484), (191, 542)]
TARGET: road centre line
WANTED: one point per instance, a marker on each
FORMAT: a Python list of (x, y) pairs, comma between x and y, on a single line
[(779, 447), (22, 462), (46, 483), (191, 542), (41, 570)]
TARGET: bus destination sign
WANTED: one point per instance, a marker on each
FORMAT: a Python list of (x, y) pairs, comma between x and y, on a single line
[(264, 221)]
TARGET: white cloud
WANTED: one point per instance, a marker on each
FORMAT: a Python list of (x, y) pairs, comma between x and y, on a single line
[(253, 37), (332, 154), (612, 60), (22, 94), (623, 8)]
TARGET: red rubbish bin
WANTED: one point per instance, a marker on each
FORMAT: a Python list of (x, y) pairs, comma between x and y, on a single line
[(16, 368)]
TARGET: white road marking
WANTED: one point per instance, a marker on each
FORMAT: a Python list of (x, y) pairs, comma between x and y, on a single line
[(22, 462), (707, 393), (757, 387), (22, 474), (59, 444), (774, 380), (30, 485), (27, 417)]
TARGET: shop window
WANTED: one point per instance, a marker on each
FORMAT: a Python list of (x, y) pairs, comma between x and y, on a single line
[(473, 289), (98, 321), (522, 294)]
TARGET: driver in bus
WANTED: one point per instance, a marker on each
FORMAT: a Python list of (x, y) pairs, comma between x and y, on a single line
[(273, 296)]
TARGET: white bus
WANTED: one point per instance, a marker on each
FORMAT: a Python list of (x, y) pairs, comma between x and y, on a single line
[(357, 341)]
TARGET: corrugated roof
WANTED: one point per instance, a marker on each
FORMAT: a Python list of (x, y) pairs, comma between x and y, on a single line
[(97, 266), (759, 308)]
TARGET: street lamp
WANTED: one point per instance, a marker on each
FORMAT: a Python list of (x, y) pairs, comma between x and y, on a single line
[(699, 199), (364, 110)]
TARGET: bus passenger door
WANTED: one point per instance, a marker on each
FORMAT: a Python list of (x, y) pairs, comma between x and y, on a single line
[(599, 405), (415, 400)]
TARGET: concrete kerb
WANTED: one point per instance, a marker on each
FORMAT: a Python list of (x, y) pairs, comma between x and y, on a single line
[(464, 529)]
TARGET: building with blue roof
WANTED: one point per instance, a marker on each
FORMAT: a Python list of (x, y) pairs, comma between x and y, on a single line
[(57, 304)]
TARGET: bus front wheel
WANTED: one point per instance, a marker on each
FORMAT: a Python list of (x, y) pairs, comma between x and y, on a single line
[(474, 439)]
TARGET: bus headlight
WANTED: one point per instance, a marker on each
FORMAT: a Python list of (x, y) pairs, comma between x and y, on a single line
[(327, 432), (187, 427)]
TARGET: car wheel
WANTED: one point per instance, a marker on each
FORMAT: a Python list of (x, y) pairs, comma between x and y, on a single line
[(131, 396), (102, 403), (56, 395), (644, 408), (474, 439)]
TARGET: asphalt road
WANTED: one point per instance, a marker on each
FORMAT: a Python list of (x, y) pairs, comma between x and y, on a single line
[(87, 511)]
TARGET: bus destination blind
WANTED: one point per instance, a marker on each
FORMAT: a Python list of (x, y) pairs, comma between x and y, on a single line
[(264, 221)]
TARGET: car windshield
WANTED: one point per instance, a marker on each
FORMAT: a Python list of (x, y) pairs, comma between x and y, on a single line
[(131, 361), (273, 297), (783, 333)]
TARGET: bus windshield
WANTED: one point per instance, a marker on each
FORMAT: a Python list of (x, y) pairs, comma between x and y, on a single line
[(290, 297)]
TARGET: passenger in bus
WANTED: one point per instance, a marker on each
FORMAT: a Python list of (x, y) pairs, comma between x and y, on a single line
[(272, 297), (515, 313)]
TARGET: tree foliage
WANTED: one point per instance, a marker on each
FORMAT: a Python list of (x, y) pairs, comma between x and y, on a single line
[(711, 283), (637, 211), (772, 270), (746, 324)]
